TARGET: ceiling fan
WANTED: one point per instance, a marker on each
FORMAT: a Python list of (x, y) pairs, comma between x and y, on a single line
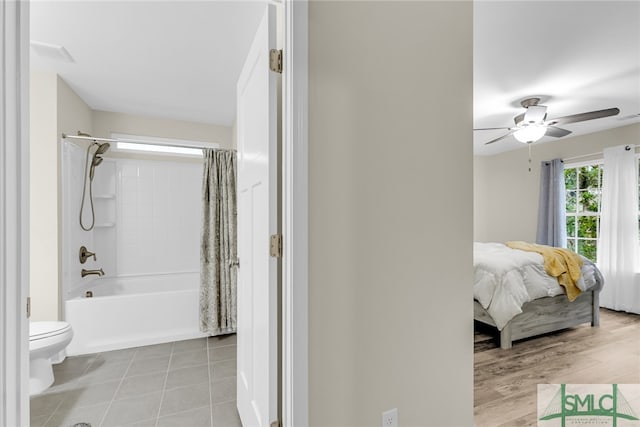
[(533, 124)]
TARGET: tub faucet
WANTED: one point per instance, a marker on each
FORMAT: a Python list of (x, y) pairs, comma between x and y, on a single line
[(88, 272)]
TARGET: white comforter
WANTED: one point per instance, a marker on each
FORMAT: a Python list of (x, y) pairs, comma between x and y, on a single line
[(507, 278)]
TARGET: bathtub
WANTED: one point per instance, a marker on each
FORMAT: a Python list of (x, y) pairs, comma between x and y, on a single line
[(133, 311)]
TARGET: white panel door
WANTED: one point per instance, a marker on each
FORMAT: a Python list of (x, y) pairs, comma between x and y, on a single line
[(257, 210)]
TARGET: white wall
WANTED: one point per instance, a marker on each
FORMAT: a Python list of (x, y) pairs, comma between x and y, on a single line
[(55, 109), (506, 194), (43, 196), (73, 115), (390, 222), (104, 123)]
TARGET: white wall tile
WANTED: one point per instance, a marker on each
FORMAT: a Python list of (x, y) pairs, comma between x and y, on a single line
[(158, 216)]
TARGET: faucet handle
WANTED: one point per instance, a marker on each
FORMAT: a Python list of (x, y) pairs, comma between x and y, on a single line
[(84, 254)]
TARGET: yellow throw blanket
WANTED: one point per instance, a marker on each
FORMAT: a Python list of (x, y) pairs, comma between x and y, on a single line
[(560, 263)]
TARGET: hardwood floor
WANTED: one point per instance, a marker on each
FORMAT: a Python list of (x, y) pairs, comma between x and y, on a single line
[(506, 380)]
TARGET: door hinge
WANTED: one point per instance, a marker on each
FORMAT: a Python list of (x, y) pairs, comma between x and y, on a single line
[(275, 247), (275, 423), (28, 307), (275, 60)]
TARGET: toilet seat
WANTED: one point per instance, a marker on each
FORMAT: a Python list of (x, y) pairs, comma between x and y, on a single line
[(42, 330)]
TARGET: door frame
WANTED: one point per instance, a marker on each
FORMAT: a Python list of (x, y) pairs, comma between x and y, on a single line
[(14, 213), (295, 276), (14, 209)]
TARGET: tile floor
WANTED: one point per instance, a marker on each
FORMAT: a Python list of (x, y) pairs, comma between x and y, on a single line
[(185, 383)]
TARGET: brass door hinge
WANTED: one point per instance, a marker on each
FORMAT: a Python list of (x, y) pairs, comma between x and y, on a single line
[(275, 60), (275, 423), (275, 246), (28, 307)]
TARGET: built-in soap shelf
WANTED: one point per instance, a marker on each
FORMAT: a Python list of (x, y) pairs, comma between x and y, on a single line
[(105, 209), (105, 225)]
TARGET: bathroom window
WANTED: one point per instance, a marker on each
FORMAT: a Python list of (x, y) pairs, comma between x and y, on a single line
[(168, 146)]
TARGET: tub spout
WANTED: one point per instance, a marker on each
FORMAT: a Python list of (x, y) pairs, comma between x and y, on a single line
[(88, 272)]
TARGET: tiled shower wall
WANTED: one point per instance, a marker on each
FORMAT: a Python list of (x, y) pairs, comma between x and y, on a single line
[(73, 158), (158, 215), (147, 212), (151, 225), (147, 217)]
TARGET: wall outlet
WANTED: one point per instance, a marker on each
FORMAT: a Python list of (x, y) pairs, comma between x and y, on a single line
[(390, 418)]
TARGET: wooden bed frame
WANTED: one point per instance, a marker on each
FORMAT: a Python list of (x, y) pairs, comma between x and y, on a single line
[(545, 315)]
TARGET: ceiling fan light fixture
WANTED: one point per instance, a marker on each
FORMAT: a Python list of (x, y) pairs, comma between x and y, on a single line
[(530, 133)]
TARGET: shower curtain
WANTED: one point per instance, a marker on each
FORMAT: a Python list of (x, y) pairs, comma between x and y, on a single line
[(218, 249)]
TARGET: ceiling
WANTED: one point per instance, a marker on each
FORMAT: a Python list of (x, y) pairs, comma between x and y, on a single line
[(170, 59), (578, 56), (181, 59)]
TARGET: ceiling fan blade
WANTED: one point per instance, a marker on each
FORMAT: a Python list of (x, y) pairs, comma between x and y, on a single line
[(498, 139), (490, 128), (535, 114), (584, 116), (557, 132)]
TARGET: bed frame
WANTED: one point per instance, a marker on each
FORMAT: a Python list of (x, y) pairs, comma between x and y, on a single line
[(545, 315)]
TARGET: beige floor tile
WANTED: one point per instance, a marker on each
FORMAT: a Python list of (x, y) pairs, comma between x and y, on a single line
[(72, 415), (190, 345), (218, 354), (223, 390), (148, 366), (155, 350), (45, 404), (179, 381), (226, 415), (141, 384), (90, 394), (188, 358), (187, 376), (134, 409), (222, 340), (184, 399), (221, 370), (199, 417)]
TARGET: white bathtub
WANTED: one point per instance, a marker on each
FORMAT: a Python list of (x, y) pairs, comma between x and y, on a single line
[(134, 311)]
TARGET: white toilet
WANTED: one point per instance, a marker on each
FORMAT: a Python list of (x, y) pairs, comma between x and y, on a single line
[(47, 342)]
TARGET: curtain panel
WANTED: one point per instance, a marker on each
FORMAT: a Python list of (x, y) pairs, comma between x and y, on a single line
[(552, 223), (218, 249), (618, 246)]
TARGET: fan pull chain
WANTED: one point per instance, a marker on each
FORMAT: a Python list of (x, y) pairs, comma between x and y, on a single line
[(529, 146)]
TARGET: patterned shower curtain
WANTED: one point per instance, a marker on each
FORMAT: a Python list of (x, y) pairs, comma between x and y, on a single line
[(218, 249)]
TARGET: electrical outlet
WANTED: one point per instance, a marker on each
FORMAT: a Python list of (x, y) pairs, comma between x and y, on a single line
[(390, 418)]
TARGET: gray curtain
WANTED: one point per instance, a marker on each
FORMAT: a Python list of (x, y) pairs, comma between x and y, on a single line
[(552, 225), (218, 247)]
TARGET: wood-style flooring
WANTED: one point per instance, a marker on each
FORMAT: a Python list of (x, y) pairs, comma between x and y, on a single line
[(506, 380)]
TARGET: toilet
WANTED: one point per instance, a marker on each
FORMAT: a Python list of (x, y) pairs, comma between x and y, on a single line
[(47, 343)]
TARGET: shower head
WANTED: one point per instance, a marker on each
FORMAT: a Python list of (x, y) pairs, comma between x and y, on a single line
[(102, 148)]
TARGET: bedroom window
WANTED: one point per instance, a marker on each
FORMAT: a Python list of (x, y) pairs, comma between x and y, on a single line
[(584, 192)]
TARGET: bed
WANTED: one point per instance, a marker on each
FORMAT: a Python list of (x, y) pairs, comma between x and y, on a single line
[(513, 293)]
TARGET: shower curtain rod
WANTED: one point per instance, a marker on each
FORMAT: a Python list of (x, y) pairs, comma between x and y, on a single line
[(132, 141)]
